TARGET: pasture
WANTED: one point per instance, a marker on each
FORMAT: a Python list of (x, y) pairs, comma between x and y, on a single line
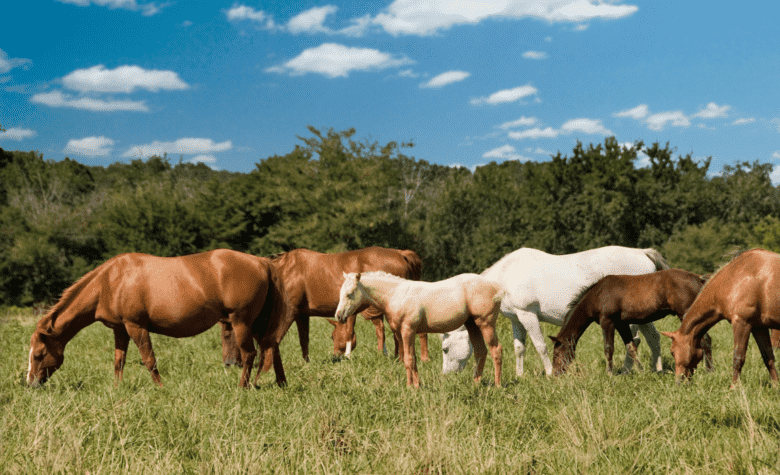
[(358, 416)]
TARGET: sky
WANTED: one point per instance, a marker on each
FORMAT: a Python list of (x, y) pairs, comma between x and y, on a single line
[(229, 83)]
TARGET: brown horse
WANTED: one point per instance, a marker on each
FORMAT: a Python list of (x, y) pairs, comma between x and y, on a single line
[(135, 294), (744, 292), (617, 301), (312, 281)]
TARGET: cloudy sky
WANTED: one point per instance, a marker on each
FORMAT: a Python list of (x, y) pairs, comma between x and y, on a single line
[(229, 83)]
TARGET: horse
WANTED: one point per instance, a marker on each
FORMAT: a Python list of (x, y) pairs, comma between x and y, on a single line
[(312, 281), (135, 294), (616, 301), (744, 292), (413, 307), (541, 286)]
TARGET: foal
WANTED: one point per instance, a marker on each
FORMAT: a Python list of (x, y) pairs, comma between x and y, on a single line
[(616, 301), (412, 307)]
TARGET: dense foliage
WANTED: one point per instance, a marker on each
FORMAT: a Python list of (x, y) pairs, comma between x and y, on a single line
[(334, 193)]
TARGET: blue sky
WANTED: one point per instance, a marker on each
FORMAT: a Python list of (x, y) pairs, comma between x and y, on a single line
[(230, 83)]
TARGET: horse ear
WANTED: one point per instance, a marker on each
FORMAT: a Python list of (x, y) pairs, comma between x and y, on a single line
[(554, 339), (669, 334), (332, 322), (357, 277)]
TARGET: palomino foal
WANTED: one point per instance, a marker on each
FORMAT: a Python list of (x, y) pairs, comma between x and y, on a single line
[(412, 307)]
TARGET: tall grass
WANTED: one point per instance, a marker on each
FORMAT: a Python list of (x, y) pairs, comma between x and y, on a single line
[(357, 416)]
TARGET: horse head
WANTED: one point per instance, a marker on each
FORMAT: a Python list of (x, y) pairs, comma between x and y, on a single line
[(686, 353), (46, 356), (344, 339), (563, 355), (351, 296)]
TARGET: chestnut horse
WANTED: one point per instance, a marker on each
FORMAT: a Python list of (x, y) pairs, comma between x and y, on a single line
[(744, 292), (312, 281), (429, 307), (617, 301), (135, 294)]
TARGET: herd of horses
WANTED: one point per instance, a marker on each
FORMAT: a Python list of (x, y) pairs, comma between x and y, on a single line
[(256, 300)]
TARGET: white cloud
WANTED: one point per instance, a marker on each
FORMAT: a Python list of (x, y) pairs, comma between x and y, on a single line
[(208, 159), (743, 121), (444, 79), (311, 21), (506, 95), (124, 79), (535, 133), (712, 111), (586, 126), (775, 175), (90, 146), (243, 12), (147, 9), (58, 99), (425, 17), (535, 55), (776, 154), (7, 64), (185, 146), (776, 123), (638, 112), (660, 120), (335, 60), (521, 122), (17, 133), (408, 73), (506, 152)]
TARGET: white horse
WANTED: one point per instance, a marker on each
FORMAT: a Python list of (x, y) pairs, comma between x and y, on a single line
[(541, 286), (413, 307)]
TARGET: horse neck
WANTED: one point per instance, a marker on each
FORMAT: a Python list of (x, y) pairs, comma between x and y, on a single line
[(700, 317), (379, 290), (575, 325), (74, 311)]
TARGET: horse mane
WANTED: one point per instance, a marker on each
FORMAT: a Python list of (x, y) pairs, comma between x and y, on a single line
[(383, 274), (728, 259), (46, 324), (577, 299)]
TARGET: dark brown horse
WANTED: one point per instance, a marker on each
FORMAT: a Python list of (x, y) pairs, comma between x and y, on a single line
[(744, 292), (617, 301), (312, 281), (135, 294)]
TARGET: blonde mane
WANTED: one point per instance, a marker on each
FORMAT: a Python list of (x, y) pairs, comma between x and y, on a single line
[(46, 324)]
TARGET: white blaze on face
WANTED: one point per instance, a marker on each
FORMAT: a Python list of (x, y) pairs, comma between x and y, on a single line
[(29, 366), (349, 349)]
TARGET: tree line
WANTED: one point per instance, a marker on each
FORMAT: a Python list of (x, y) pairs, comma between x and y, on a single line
[(334, 192)]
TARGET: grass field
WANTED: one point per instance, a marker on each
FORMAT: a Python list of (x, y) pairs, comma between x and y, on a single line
[(357, 416)]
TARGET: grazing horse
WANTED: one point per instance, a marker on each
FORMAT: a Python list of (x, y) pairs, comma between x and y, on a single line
[(429, 307), (135, 294), (616, 301), (312, 281), (744, 292), (541, 286)]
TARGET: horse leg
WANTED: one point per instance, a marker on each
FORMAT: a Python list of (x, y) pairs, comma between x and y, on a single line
[(410, 357), (121, 341), (608, 332), (480, 350), (628, 340), (489, 336), (653, 339), (775, 339), (144, 343), (379, 329), (246, 345), (424, 347), (302, 321), (706, 344), (230, 354), (764, 342), (530, 321), (741, 332)]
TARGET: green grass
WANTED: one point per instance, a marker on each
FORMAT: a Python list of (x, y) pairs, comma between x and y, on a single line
[(357, 416)]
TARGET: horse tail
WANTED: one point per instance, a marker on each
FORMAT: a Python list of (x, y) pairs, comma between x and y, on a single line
[(273, 321), (656, 258), (413, 264)]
